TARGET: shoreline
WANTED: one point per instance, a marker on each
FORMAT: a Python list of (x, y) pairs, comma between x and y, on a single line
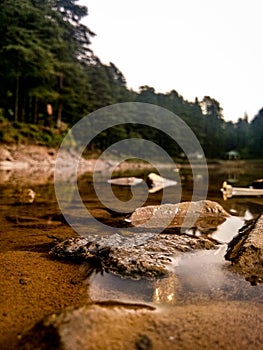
[(22, 163)]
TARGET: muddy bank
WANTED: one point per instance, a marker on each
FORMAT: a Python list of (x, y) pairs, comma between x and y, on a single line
[(34, 165)]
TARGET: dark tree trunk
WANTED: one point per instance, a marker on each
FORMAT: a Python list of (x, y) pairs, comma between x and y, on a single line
[(60, 105), (16, 99), (35, 113)]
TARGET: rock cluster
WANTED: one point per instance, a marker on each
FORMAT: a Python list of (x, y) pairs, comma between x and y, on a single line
[(146, 254)]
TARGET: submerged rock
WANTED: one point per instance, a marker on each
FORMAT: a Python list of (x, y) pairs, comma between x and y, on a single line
[(157, 183), (27, 195), (145, 255), (205, 214), (245, 251)]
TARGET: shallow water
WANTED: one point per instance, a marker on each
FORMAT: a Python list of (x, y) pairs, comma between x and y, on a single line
[(199, 276), (194, 277), (203, 275)]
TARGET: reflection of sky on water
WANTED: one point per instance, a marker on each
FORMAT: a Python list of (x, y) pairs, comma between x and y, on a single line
[(226, 231), (111, 287), (194, 277)]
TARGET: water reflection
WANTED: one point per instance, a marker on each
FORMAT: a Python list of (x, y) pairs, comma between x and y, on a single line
[(110, 287), (226, 231), (205, 276), (166, 290), (195, 277), (104, 287)]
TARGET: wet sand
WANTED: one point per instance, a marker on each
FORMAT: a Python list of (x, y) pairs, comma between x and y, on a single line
[(32, 285)]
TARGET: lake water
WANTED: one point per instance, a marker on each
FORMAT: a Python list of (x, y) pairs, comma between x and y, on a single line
[(203, 275)]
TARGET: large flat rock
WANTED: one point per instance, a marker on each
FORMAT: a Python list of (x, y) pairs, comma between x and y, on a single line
[(145, 255), (200, 214), (221, 325)]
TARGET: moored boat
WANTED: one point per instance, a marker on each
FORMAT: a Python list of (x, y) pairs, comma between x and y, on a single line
[(230, 191)]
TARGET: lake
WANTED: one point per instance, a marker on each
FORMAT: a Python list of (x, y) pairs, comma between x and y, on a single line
[(203, 275)]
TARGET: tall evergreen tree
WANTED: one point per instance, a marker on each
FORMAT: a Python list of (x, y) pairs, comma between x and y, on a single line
[(214, 142), (256, 135), (42, 42)]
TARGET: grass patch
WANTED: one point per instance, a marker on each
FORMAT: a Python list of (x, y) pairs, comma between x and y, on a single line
[(30, 134)]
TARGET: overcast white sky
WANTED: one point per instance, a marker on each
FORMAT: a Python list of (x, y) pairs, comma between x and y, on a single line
[(196, 47)]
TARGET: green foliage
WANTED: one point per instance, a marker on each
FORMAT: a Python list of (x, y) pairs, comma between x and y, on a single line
[(23, 133), (46, 60), (41, 41)]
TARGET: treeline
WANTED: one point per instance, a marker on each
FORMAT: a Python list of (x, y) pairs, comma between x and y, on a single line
[(49, 76)]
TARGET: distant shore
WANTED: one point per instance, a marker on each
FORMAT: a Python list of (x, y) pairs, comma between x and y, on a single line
[(23, 163)]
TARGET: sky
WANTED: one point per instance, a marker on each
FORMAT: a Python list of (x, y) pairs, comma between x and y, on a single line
[(196, 47)]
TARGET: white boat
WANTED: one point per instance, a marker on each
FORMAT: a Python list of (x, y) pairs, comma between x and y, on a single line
[(230, 191), (125, 181)]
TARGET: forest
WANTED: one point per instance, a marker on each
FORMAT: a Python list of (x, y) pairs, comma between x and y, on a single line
[(50, 77)]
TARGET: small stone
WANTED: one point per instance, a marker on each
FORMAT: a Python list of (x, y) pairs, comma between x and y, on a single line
[(27, 195), (22, 281), (5, 155), (143, 342)]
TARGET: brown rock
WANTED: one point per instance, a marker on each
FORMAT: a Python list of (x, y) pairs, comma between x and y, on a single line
[(245, 251), (220, 325), (145, 255), (5, 155), (202, 214)]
